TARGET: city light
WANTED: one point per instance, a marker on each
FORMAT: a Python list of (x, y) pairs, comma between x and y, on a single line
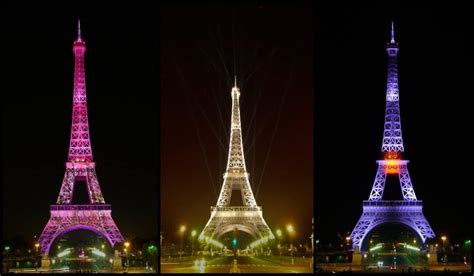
[(259, 242), (290, 228), (443, 238), (67, 251), (152, 249), (98, 252), (278, 232), (182, 229), (412, 247), (378, 246), (193, 233), (213, 242)]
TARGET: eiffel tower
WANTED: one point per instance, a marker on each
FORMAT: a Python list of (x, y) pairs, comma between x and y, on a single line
[(225, 218), (65, 216), (377, 211)]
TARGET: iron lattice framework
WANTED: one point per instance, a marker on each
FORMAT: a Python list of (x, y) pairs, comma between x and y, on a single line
[(80, 166), (377, 211), (225, 218)]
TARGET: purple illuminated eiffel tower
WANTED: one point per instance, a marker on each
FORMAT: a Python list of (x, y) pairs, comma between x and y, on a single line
[(65, 216), (375, 210)]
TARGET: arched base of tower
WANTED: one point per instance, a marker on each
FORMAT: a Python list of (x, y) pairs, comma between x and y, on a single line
[(379, 212), (66, 218), (227, 219)]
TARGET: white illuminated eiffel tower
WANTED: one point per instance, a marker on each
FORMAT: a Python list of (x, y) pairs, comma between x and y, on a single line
[(248, 217)]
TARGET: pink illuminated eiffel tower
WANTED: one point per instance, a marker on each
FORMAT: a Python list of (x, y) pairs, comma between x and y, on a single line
[(95, 216)]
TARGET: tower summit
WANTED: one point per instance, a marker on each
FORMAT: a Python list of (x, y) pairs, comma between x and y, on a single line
[(377, 211)]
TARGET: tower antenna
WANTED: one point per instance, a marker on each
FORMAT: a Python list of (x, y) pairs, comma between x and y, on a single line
[(79, 29), (392, 34)]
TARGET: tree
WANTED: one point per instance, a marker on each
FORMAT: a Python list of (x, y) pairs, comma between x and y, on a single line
[(150, 254)]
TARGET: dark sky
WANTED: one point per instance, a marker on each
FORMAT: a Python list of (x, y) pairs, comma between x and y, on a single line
[(198, 45), (122, 79), (435, 78)]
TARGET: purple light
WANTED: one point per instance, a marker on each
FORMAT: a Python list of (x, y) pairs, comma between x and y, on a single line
[(377, 211)]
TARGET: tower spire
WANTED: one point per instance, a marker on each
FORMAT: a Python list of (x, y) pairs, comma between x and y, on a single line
[(78, 29), (235, 81), (392, 34)]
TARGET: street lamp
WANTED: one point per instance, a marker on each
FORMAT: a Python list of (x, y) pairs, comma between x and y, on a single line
[(181, 231), (443, 238), (348, 239), (193, 234), (291, 230), (279, 234), (37, 245), (126, 244)]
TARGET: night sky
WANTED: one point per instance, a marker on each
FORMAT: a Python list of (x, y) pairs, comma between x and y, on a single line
[(271, 46), (121, 78), (435, 79)]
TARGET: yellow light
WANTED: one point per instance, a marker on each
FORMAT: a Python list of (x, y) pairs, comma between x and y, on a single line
[(182, 228), (127, 244), (348, 238), (392, 166), (37, 245), (443, 238), (125, 250), (193, 233), (290, 228), (414, 240), (103, 246), (279, 233)]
